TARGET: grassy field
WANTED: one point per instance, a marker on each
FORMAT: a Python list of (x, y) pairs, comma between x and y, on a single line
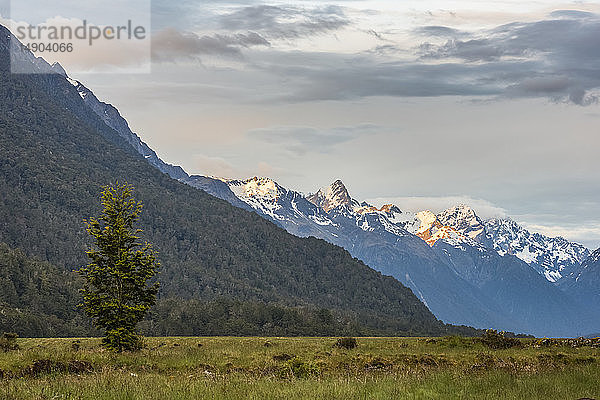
[(299, 368)]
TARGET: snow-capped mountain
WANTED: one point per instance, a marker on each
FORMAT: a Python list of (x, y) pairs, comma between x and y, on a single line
[(333, 196), (554, 258), (442, 258), (431, 229), (464, 220)]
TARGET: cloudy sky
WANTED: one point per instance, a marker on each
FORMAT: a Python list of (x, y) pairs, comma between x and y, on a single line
[(421, 103)]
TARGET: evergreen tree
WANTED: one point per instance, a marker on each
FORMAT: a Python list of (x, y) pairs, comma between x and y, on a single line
[(116, 293)]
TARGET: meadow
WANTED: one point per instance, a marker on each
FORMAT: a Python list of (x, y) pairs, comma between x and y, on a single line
[(302, 368)]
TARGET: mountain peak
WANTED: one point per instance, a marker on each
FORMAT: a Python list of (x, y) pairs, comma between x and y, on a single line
[(258, 188), (332, 196), (464, 219), (595, 256)]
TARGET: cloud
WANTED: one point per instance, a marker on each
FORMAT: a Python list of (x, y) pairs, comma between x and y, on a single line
[(318, 76), (469, 50), (285, 22), (300, 140), (214, 166), (483, 208), (572, 14), (558, 56), (440, 31), (555, 58), (170, 44)]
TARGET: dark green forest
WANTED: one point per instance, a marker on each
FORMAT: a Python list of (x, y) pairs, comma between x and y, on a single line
[(253, 277), (40, 300)]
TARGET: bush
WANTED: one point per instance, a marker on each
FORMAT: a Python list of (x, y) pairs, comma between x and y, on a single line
[(347, 343), (301, 369), (8, 341), (499, 340)]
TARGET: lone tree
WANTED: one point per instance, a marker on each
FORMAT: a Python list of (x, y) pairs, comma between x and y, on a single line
[(117, 294)]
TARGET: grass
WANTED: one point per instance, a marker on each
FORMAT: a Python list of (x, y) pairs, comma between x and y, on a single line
[(298, 368)]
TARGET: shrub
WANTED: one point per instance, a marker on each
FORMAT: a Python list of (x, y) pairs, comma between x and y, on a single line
[(8, 341), (347, 343), (301, 369), (499, 340), (282, 357)]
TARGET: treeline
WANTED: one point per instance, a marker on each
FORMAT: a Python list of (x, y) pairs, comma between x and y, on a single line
[(40, 300)]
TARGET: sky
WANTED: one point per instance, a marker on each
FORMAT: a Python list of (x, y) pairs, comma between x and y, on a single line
[(423, 104)]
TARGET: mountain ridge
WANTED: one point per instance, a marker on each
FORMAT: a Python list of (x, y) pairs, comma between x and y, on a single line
[(362, 223)]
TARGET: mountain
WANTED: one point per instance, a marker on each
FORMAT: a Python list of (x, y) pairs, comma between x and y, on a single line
[(372, 235), (442, 258), (464, 220), (554, 258), (584, 283), (333, 196), (429, 227), (57, 152), (111, 117)]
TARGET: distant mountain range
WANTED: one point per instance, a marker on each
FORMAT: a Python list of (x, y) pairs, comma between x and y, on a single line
[(466, 270)]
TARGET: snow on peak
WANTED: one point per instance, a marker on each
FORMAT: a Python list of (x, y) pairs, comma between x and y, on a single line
[(427, 226), (447, 234), (428, 221), (595, 256), (82, 90), (259, 188), (464, 220), (331, 197), (554, 258), (388, 209)]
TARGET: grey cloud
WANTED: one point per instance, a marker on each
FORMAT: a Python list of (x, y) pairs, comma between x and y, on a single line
[(440, 31), (280, 22), (566, 51), (300, 140), (542, 85), (558, 88), (572, 14), (556, 58), (319, 76), (171, 44), (470, 50)]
